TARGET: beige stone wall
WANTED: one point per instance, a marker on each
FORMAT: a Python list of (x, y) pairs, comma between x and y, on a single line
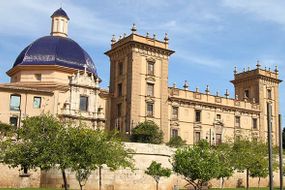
[(11, 178), (47, 75), (124, 179), (27, 108)]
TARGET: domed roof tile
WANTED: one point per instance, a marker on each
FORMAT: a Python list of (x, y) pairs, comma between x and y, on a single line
[(56, 50)]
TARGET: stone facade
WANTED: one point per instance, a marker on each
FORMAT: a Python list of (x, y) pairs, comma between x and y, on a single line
[(138, 91)]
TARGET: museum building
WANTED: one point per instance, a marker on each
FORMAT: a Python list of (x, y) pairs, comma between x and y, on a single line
[(55, 75)]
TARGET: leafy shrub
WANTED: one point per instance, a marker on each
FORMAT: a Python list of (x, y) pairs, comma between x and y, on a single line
[(147, 132), (176, 142)]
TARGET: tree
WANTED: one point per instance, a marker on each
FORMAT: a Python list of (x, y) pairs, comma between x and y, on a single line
[(82, 151), (251, 156), (6, 130), (198, 164), (259, 163), (147, 132), (176, 142), (82, 176), (226, 169), (44, 142), (156, 171), (112, 153), (283, 138), (41, 143)]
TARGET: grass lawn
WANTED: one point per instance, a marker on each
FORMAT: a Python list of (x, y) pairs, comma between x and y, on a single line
[(28, 189), (251, 188)]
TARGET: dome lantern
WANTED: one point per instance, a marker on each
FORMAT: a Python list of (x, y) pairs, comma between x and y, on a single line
[(59, 25)]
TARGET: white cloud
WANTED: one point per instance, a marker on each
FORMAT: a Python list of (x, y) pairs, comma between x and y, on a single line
[(196, 59), (262, 9)]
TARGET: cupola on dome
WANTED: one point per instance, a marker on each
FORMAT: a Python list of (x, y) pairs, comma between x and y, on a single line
[(60, 12), (56, 49)]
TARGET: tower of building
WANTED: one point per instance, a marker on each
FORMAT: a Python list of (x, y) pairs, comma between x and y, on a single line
[(260, 86), (139, 81)]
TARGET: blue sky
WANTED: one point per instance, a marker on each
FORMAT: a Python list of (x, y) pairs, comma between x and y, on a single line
[(209, 37)]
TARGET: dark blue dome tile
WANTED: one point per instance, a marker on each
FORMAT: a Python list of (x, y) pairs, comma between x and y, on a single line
[(55, 50)]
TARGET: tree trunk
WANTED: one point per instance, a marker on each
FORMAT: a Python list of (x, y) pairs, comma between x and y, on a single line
[(247, 179), (258, 182), (223, 180), (100, 177), (80, 186), (156, 185), (64, 179)]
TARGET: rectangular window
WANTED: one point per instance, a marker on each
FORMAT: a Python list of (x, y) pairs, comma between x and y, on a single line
[(121, 68), (150, 68), (14, 121), (237, 121), (83, 103), (15, 101), (149, 110), (219, 116), (197, 136), (254, 123), (174, 132), (150, 89), (269, 95), (119, 110), (218, 139), (118, 124), (120, 89), (38, 77), (197, 116), (37, 102), (246, 94), (174, 112)]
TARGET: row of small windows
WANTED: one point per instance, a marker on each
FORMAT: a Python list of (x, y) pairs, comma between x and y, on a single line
[(218, 116), (15, 102), (197, 136)]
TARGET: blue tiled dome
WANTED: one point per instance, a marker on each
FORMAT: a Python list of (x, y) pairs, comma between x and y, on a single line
[(56, 50)]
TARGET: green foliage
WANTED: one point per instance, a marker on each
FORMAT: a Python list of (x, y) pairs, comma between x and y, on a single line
[(251, 156), (147, 132), (38, 144), (176, 142), (156, 171), (6, 130), (198, 164), (45, 142), (82, 176), (225, 167)]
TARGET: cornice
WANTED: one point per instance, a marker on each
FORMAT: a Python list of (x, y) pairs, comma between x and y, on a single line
[(225, 107), (258, 76), (18, 68), (140, 45)]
